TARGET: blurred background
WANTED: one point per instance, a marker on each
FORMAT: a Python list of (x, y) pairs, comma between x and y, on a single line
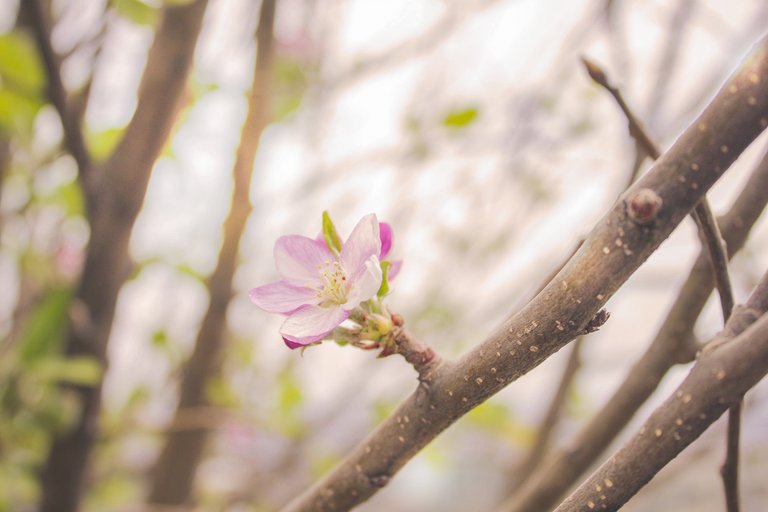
[(469, 125)]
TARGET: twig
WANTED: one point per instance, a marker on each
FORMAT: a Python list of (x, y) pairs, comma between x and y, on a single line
[(673, 344), (566, 305), (70, 121), (716, 248), (423, 359), (721, 376)]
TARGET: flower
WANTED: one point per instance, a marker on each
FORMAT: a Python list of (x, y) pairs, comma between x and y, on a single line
[(323, 282)]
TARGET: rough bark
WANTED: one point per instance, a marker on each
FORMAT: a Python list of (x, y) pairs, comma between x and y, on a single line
[(114, 195), (620, 242), (173, 475)]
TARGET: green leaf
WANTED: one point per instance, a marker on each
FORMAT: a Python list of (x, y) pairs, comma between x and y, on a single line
[(45, 325), (460, 118), (136, 11), (330, 235), (384, 288), (102, 143), (81, 370), (221, 393), (20, 65), (18, 112)]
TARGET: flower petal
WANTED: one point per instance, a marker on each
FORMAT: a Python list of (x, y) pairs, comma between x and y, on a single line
[(366, 285), (293, 344), (297, 258), (394, 269), (282, 297), (385, 234), (311, 323), (363, 243)]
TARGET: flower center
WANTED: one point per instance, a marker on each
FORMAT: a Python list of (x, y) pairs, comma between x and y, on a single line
[(335, 285)]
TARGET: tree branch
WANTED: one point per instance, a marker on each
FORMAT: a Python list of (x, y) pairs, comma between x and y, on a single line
[(730, 365), (70, 121), (615, 248), (177, 463), (114, 198)]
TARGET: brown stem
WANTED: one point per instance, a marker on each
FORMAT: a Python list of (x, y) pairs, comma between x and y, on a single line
[(734, 118), (177, 463), (716, 248), (70, 121), (423, 359), (736, 361), (116, 195)]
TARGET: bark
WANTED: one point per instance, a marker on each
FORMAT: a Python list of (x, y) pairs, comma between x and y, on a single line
[(727, 368), (114, 195), (173, 475), (671, 345), (620, 242)]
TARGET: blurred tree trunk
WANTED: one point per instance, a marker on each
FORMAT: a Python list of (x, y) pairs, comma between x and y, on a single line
[(114, 195), (180, 456)]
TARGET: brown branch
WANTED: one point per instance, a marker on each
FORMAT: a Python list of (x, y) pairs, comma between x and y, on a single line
[(671, 345), (70, 120), (716, 248), (114, 197), (615, 248), (736, 361), (177, 463)]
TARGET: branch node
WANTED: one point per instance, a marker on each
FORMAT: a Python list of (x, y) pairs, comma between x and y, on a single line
[(643, 207), (596, 322)]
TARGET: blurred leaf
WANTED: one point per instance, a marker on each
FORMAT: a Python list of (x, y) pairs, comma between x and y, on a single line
[(220, 392), (113, 492), (460, 118), (188, 270), (497, 419), (290, 85), (69, 196), (84, 371), (102, 143), (290, 395), (383, 409), (136, 11), (322, 464), (160, 340), (45, 325), (20, 65), (17, 112)]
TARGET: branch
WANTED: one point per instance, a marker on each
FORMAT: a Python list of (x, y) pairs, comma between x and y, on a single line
[(70, 121), (180, 456), (732, 363), (615, 248), (716, 248), (114, 198)]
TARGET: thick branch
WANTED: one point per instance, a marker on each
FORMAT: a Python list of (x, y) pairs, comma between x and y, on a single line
[(176, 466), (70, 121), (736, 361), (115, 197), (671, 345), (615, 248)]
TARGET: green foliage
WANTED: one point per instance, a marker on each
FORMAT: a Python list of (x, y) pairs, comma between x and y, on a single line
[(42, 332), (384, 288), (219, 392), (460, 118), (330, 235), (17, 112), (290, 84), (497, 419), (21, 83), (101, 144), (136, 11)]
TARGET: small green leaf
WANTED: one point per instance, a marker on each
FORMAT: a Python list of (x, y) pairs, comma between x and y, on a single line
[(460, 118), (136, 11), (384, 288), (43, 331), (83, 370), (20, 64), (330, 235), (102, 143)]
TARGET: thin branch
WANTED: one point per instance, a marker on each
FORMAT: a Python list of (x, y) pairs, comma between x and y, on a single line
[(735, 117), (730, 365), (70, 120), (673, 344), (182, 452), (716, 248)]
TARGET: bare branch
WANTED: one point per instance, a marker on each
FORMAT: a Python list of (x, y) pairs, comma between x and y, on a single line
[(728, 368), (70, 120), (614, 249)]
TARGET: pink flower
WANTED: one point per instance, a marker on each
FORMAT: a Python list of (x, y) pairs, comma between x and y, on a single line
[(319, 288)]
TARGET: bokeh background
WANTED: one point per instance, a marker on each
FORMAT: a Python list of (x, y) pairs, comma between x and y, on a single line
[(469, 125)]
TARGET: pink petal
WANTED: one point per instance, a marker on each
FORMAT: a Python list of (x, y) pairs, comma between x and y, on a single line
[(366, 285), (385, 234), (292, 344), (311, 323), (297, 259), (363, 243), (394, 269), (282, 297)]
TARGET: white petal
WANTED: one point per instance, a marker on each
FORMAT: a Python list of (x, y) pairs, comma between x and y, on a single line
[(297, 259), (312, 322), (282, 297), (363, 243), (366, 284)]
